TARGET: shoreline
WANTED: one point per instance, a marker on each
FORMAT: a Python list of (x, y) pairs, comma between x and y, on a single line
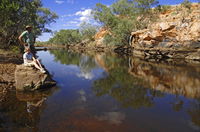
[(9, 60), (187, 54)]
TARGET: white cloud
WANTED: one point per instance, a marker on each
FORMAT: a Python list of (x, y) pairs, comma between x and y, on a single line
[(86, 12), (88, 76), (68, 15), (113, 117), (59, 1), (85, 15), (73, 22), (70, 1)]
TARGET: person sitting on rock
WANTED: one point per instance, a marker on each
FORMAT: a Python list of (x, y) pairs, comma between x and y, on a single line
[(29, 60)]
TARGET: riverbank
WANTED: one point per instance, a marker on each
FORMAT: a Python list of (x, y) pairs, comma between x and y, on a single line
[(174, 35), (8, 63)]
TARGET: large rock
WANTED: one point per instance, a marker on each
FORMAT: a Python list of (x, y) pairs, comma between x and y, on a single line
[(177, 31), (30, 79)]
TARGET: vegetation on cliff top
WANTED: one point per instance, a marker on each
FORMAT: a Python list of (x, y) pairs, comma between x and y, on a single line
[(120, 19)]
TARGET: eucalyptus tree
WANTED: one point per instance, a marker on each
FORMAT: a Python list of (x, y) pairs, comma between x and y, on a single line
[(16, 14), (122, 17)]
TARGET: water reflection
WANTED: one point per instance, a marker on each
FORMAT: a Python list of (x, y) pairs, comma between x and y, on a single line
[(106, 92), (84, 62), (21, 111), (137, 83), (173, 79)]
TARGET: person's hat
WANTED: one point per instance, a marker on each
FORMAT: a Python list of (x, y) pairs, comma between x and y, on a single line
[(28, 26)]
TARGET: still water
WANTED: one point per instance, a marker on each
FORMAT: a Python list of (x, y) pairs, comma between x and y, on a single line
[(107, 93)]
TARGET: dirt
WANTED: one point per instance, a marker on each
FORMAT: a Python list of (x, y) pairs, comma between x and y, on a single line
[(8, 62)]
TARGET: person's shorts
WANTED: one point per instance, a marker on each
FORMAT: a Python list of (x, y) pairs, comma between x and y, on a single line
[(29, 64)]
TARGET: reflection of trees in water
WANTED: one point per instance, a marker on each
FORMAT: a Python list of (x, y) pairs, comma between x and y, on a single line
[(22, 111), (136, 83), (127, 89), (85, 63), (65, 57), (194, 112)]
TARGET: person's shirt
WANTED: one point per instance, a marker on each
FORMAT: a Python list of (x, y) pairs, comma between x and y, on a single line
[(27, 57), (28, 37)]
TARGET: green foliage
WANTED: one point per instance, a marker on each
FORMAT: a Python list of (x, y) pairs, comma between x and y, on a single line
[(15, 15), (71, 36), (187, 4), (162, 8), (86, 63), (87, 31), (63, 37), (121, 18), (15, 49), (129, 90)]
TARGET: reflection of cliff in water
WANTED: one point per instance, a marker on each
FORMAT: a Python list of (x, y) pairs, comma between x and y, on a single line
[(178, 80), (136, 83), (21, 111), (118, 83)]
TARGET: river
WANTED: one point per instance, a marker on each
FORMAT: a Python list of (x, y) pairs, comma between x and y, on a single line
[(107, 93)]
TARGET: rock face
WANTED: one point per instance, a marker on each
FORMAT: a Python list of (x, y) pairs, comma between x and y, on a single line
[(30, 79), (99, 37), (176, 34)]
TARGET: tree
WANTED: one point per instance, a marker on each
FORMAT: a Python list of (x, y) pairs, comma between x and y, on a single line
[(87, 31), (121, 18), (16, 14), (66, 37)]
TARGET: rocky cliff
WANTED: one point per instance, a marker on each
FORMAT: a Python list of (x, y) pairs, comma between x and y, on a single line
[(176, 34)]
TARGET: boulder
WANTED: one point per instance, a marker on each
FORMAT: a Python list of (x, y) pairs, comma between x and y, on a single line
[(165, 26), (30, 79)]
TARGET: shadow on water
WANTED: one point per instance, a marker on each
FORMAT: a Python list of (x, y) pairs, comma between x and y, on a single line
[(21, 111), (106, 92)]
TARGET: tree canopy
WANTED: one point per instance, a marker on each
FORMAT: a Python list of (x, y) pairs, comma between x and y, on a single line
[(16, 14), (121, 18)]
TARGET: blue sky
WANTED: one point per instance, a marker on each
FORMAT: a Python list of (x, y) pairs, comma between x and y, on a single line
[(73, 12)]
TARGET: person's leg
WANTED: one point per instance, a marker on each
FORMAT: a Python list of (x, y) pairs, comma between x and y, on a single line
[(37, 66), (38, 62), (33, 51)]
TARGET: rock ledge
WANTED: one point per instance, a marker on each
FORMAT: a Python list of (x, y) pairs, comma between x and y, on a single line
[(30, 79)]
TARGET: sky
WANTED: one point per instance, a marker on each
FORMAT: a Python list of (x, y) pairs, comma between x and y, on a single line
[(72, 13)]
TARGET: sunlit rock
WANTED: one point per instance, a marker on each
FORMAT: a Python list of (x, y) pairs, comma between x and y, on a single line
[(179, 29), (30, 79)]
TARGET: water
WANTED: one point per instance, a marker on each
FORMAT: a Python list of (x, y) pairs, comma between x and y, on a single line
[(107, 93)]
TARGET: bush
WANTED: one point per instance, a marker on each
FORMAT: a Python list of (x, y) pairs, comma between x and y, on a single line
[(121, 18), (87, 31), (66, 37), (187, 4)]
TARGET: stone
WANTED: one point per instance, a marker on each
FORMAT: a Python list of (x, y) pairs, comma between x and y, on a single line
[(165, 26), (30, 79), (194, 56)]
